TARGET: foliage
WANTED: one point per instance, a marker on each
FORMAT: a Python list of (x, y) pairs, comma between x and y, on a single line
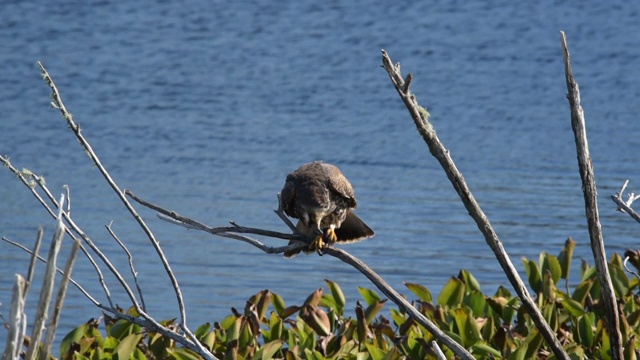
[(488, 326)]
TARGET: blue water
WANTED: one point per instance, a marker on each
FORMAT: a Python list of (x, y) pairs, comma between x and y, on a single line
[(204, 108)]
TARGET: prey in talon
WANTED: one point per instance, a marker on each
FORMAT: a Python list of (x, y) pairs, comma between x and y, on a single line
[(323, 200)]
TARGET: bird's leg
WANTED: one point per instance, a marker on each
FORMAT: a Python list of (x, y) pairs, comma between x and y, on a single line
[(327, 237), (330, 235), (317, 243)]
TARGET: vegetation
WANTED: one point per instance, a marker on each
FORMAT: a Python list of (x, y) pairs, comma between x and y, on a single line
[(489, 326)]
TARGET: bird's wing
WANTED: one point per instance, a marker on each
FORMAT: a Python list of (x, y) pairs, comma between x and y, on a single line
[(353, 229), (339, 183), (288, 197)]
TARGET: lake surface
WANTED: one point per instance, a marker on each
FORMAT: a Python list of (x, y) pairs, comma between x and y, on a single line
[(204, 107)]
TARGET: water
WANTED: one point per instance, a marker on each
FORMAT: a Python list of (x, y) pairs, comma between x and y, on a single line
[(204, 107)]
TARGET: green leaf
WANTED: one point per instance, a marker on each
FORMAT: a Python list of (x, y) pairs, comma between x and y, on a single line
[(369, 296), (503, 292), (565, 257), (475, 300), (587, 271), (374, 352), (182, 354), (398, 317), (72, 337), (484, 351), (278, 303), (123, 328), (338, 295), (268, 350), (533, 274), (533, 341), (548, 287), (585, 331), (551, 263), (467, 327), (128, 346), (520, 353), (202, 330), (573, 307), (263, 304), (619, 280), (469, 280), (582, 291), (452, 293), (373, 310), (420, 291)]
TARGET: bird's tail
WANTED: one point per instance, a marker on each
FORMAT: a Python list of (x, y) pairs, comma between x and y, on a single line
[(353, 229)]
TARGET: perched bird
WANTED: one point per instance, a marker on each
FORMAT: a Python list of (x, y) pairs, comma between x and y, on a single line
[(322, 199)]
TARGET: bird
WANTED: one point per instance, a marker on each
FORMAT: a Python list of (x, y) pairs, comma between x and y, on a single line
[(323, 200)]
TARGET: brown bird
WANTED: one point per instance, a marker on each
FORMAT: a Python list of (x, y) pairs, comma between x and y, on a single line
[(322, 199)]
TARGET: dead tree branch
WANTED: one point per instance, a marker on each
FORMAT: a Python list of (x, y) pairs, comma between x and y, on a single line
[(591, 205), (625, 206), (359, 265), (420, 117), (58, 104), (47, 288)]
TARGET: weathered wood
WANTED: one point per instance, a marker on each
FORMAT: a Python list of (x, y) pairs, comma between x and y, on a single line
[(420, 117), (591, 205)]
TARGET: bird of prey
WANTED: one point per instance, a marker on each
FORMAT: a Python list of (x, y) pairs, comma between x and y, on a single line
[(322, 199)]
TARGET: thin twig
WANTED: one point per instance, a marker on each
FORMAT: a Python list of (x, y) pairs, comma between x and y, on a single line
[(32, 262), (58, 104), (194, 224), (591, 205), (134, 273), (60, 271), (625, 206), (420, 117), (69, 229), (624, 263), (283, 216)]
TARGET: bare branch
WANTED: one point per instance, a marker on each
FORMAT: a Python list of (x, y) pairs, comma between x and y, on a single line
[(400, 301), (58, 104), (591, 205), (41, 183), (283, 216), (420, 118), (230, 232), (17, 320), (32, 262), (47, 288), (625, 206), (626, 260), (60, 271), (134, 273), (57, 308)]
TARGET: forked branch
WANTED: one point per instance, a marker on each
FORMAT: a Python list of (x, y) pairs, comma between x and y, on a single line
[(234, 233)]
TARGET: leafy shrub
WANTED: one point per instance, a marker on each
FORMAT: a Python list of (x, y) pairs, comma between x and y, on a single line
[(488, 326)]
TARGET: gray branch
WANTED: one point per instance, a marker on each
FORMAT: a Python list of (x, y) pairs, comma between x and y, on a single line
[(591, 205), (230, 232), (420, 117), (75, 127)]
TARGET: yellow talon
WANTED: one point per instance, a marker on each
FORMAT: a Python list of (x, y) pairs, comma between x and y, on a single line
[(330, 236), (317, 244)]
